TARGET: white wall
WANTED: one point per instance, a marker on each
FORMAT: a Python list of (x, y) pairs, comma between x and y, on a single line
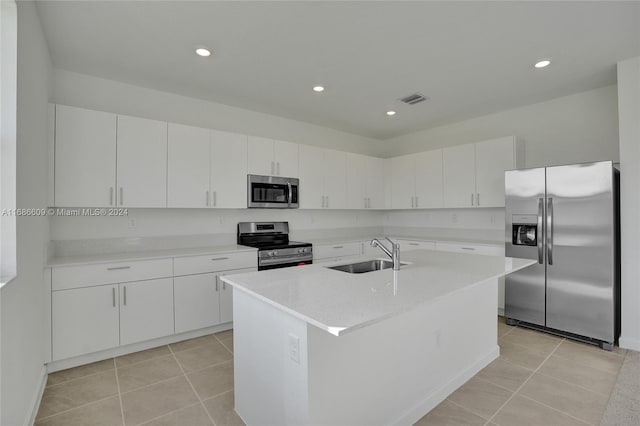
[(85, 91), (579, 128), (22, 323), (629, 105), (168, 222)]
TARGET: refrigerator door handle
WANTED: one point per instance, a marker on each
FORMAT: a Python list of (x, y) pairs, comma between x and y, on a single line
[(540, 231), (550, 231)]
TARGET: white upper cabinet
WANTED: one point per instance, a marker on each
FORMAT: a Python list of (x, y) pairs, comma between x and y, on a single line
[(416, 180), (428, 175), (85, 158), (493, 158), (474, 173), (312, 173), (228, 170), (365, 182), (459, 176), (141, 162), (323, 178), (188, 166), (272, 158)]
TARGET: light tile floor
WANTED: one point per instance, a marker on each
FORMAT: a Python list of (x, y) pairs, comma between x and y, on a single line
[(538, 380)]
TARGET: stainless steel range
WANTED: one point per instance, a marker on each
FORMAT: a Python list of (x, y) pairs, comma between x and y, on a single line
[(274, 248)]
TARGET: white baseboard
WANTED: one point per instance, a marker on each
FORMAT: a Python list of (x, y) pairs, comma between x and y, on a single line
[(63, 364), (34, 405), (435, 398), (629, 343)]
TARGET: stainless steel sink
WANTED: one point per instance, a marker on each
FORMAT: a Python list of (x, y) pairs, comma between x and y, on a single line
[(367, 266)]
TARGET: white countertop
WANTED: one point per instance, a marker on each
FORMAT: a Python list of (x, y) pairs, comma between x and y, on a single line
[(339, 302), (145, 255)]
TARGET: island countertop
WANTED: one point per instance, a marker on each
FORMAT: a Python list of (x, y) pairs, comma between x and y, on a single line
[(339, 302)]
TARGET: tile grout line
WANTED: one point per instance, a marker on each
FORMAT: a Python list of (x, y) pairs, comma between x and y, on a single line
[(523, 384), (166, 414), (223, 345), (192, 387), (555, 409), (115, 370), (75, 408)]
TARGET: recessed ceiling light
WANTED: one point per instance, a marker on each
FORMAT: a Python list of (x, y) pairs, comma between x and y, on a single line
[(391, 112), (203, 51), (318, 89), (542, 63)]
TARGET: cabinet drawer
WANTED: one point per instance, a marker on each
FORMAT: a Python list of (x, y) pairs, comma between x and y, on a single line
[(408, 245), (66, 277), (214, 262), (337, 250), (471, 248)]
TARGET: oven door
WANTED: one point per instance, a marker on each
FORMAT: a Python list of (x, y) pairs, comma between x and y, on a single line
[(272, 192), (284, 265)]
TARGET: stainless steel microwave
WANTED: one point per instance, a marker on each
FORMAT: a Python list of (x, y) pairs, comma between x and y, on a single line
[(272, 192)]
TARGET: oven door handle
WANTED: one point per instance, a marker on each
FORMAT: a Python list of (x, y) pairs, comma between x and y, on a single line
[(290, 192)]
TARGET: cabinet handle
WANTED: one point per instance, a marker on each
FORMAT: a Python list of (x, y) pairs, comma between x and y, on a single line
[(220, 258), (207, 202), (478, 199), (337, 247), (113, 296), (216, 284), (111, 196), (224, 285), (414, 244), (215, 198), (125, 295), (117, 268), (472, 198), (467, 248), (278, 170), (273, 168), (121, 196)]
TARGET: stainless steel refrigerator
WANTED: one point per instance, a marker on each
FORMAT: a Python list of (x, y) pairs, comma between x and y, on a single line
[(565, 217)]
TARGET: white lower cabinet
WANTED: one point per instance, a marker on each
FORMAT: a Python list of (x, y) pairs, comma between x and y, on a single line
[(84, 320), (197, 300), (146, 310), (335, 252)]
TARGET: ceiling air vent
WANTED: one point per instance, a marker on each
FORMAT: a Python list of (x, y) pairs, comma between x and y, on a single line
[(413, 99)]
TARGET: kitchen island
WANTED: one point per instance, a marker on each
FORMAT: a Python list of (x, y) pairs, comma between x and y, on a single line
[(313, 345)]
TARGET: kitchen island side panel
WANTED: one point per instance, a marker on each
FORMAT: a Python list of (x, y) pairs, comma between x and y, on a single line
[(397, 370)]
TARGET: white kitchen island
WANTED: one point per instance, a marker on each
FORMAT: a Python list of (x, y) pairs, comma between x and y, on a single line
[(318, 346)]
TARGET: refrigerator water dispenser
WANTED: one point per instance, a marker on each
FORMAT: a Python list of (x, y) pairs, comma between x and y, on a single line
[(524, 230)]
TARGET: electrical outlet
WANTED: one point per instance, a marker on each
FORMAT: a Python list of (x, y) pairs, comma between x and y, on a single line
[(132, 223), (294, 348), (454, 218)]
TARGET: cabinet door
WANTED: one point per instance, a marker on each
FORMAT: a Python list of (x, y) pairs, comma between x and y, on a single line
[(84, 320), (228, 170), (357, 175), (146, 310), (188, 166), (375, 183), (226, 295), (286, 159), (312, 173), (403, 183), (493, 158), (260, 156), (142, 162), (196, 301), (459, 176), (85, 158), (335, 179), (428, 172)]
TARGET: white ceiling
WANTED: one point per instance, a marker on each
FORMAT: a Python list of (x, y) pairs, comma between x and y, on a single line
[(470, 58)]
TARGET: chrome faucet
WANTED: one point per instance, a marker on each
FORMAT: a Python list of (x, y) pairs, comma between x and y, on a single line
[(394, 253)]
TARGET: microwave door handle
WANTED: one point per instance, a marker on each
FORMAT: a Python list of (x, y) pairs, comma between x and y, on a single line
[(290, 192), (540, 231)]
